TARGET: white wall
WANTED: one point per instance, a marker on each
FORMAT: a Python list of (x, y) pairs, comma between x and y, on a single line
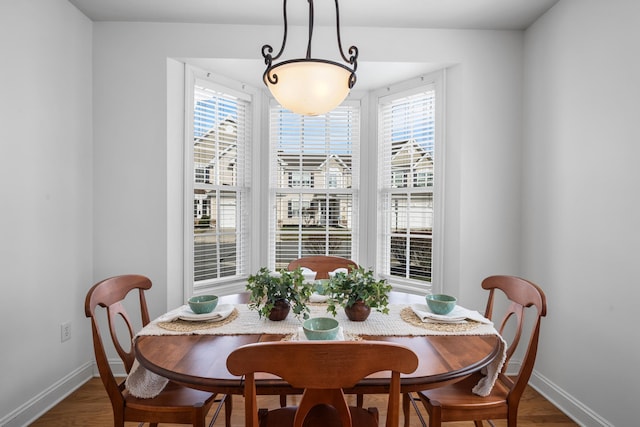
[(46, 192), (582, 205)]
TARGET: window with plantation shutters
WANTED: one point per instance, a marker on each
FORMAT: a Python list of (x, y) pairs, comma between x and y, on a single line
[(314, 170), (406, 148), (219, 156)]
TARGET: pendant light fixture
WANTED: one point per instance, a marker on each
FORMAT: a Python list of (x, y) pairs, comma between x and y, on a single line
[(309, 86)]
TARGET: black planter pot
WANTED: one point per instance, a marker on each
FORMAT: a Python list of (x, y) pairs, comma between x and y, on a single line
[(280, 310), (358, 312)]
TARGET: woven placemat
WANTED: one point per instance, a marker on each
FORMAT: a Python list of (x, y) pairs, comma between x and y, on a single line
[(180, 325), (410, 317)]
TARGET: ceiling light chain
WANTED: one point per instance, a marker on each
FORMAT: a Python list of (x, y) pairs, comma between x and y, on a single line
[(353, 50)]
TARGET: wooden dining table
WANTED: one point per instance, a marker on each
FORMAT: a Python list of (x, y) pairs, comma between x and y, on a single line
[(199, 361)]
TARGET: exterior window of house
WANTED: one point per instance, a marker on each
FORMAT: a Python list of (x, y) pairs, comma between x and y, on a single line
[(334, 178), (406, 152), (202, 175), (295, 209), (313, 183), (300, 179), (218, 158)]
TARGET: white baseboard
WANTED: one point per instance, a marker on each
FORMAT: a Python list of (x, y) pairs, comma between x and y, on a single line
[(571, 406), (50, 397)]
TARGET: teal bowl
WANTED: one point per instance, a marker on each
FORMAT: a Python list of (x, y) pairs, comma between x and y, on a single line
[(202, 304), (441, 303), (320, 328)]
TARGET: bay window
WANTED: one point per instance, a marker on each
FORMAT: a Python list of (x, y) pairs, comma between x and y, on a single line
[(296, 191)]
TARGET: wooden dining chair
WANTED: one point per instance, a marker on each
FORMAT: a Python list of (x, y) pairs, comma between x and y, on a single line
[(456, 402), (322, 264), (175, 404), (323, 369)]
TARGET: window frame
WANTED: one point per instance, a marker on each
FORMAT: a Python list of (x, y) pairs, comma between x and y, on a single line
[(235, 283), (331, 193), (403, 89)]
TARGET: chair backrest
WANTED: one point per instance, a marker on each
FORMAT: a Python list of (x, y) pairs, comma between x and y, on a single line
[(323, 369), (520, 294), (322, 264), (110, 294)]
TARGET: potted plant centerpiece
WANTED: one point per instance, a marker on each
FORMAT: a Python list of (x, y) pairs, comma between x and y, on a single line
[(273, 295), (358, 292)]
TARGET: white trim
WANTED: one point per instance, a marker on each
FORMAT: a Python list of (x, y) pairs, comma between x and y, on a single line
[(406, 88), (562, 400), (437, 243), (254, 97), (187, 211), (568, 404), (35, 407)]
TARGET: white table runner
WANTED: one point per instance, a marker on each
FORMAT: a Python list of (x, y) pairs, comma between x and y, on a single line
[(248, 322), (144, 384)]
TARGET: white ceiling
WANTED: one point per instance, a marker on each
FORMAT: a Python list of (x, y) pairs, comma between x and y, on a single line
[(454, 14), (469, 14)]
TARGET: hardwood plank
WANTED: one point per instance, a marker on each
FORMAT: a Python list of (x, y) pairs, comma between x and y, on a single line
[(89, 406)]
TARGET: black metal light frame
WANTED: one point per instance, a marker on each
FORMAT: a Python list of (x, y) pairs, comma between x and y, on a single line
[(270, 74)]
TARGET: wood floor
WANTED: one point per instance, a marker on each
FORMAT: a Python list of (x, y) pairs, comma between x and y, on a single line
[(89, 407)]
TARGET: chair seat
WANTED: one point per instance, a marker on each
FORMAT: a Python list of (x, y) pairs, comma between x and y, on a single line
[(173, 397), (459, 394), (319, 416)]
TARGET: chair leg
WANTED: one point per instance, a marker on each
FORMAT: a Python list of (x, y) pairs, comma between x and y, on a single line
[(407, 401), (405, 409), (360, 400), (435, 416), (225, 400), (283, 400), (199, 422), (228, 407)]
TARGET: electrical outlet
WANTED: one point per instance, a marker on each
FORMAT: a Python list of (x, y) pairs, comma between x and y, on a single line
[(65, 331)]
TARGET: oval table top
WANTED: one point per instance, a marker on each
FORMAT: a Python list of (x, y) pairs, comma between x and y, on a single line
[(199, 361)]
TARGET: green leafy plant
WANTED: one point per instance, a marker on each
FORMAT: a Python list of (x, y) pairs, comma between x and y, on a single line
[(357, 285), (265, 289)]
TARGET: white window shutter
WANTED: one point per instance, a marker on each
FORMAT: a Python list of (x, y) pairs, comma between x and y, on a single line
[(221, 153), (406, 185), (314, 172)]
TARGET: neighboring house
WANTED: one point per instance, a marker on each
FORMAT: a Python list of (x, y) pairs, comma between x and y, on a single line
[(411, 214), (215, 156), (412, 168), (215, 162), (324, 176), (411, 165)]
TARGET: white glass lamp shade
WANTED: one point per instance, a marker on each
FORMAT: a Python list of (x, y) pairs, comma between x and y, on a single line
[(310, 87)]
